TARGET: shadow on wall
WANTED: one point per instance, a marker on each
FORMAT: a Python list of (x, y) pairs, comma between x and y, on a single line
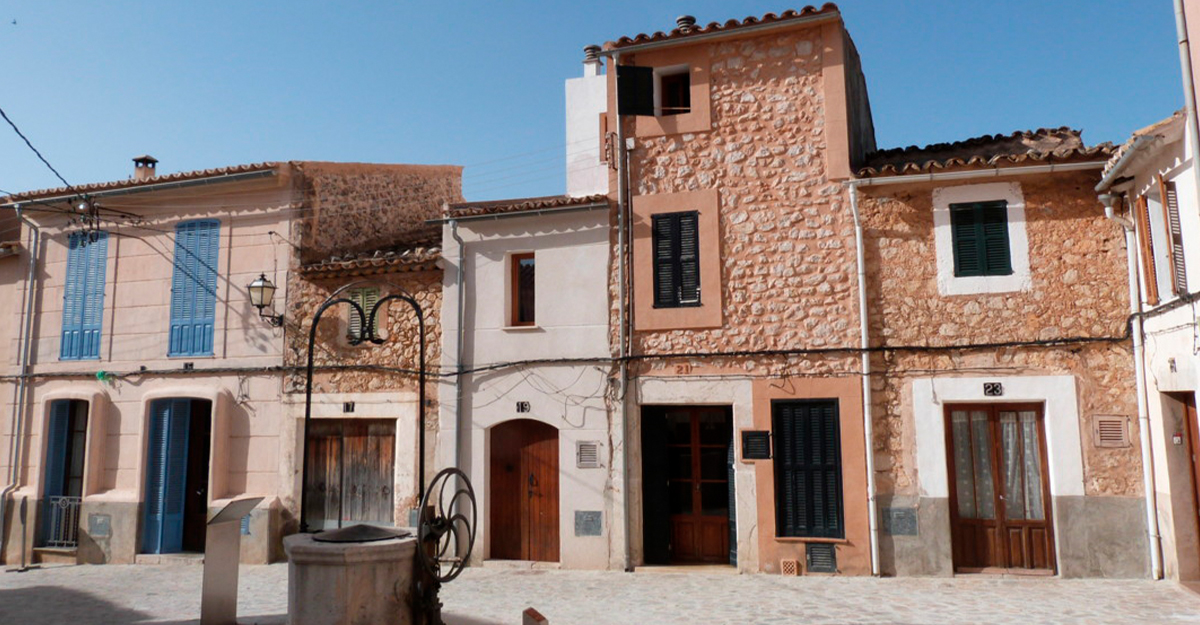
[(54, 605)]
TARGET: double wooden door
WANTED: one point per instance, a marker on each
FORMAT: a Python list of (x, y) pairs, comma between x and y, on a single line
[(698, 440), (351, 471), (1000, 494), (524, 491)]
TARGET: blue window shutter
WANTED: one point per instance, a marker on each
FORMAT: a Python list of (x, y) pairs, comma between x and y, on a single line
[(174, 490), (156, 476), (194, 288), (83, 297), (166, 476)]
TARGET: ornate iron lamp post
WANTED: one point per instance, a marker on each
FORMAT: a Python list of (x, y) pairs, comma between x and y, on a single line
[(446, 513)]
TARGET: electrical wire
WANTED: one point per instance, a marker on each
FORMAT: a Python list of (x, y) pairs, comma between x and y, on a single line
[(35, 150)]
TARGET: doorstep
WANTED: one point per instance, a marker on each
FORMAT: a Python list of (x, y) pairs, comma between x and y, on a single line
[(55, 555), (521, 565), (169, 558)]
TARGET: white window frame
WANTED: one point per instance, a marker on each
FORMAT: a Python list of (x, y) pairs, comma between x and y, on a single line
[(1018, 240)]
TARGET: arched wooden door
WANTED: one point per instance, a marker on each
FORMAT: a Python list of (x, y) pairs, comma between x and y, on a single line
[(524, 491)]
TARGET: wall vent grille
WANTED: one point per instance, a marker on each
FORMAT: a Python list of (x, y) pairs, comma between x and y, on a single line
[(1110, 431), (587, 455), (822, 558), (789, 567)]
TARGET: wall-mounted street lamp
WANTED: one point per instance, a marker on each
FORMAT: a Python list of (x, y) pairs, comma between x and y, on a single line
[(262, 293)]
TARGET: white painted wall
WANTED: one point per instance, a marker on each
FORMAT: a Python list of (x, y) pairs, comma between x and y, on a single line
[(571, 284), (587, 98)]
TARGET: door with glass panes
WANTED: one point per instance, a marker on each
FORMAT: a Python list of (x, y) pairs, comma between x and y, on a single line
[(1000, 494)]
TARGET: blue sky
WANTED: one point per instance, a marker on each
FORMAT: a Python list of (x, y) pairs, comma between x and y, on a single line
[(480, 83)]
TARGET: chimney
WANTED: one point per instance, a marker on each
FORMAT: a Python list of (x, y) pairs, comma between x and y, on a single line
[(685, 23), (144, 166), (591, 60)]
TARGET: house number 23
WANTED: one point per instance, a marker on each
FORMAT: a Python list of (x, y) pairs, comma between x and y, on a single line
[(993, 389)]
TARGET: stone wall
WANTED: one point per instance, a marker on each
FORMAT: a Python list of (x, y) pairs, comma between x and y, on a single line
[(355, 207), (1079, 290), (400, 350)]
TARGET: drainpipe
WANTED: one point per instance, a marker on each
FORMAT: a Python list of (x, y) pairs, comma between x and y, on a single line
[(25, 343), (1134, 260), (864, 339), (1189, 83), (460, 276), (622, 321)]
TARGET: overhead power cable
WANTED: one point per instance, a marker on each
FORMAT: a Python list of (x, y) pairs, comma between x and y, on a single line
[(35, 150)]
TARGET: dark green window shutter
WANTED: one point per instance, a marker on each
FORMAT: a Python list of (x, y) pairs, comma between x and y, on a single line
[(635, 90), (689, 259), (980, 239), (676, 259), (808, 469)]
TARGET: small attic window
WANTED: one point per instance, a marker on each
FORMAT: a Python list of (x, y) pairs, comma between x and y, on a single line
[(675, 91)]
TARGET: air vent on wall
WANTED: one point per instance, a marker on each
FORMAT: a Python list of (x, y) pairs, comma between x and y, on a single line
[(789, 567), (1110, 431), (587, 455), (822, 558)]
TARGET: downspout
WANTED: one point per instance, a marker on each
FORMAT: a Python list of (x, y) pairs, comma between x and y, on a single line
[(623, 329), (864, 339), (460, 276), (20, 410), (1189, 83), (1133, 262)]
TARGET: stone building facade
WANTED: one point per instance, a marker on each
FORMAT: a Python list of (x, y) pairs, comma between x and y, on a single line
[(179, 397), (1048, 340), (749, 165)]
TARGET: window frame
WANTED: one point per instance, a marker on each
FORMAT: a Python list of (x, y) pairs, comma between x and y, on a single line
[(1020, 279), (515, 299), (83, 296), (197, 313), (667, 76), (677, 260)]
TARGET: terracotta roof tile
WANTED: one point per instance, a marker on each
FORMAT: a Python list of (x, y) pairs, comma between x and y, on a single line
[(1024, 146), (470, 209), (122, 184), (1163, 128), (403, 259), (713, 27)]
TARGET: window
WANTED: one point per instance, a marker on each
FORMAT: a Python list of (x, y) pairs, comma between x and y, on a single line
[(366, 298), (648, 91), (676, 259), (523, 304), (194, 288), (675, 93), (980, 239), (83, 298), (980, 232), (808, 469)]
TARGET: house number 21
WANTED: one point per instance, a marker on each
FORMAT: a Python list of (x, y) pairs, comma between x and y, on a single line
[(993, 389)]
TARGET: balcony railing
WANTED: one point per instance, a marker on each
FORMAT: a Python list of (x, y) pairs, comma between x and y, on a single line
[(62, 522)]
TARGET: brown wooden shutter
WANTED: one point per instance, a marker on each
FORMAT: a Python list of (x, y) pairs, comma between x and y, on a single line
[(1149, 271), (689, 258), (635, 90), (665, 233), (1170, 203)]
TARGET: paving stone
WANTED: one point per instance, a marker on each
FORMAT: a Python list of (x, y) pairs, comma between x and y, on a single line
[(83, 595)]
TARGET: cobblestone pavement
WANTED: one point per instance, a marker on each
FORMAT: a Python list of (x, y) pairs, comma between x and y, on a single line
[(79, 595)]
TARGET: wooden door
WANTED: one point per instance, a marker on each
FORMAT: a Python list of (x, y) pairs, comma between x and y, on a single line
[(195, 499), (1000, 495), (698, 440), (351, 467), (1193, 441), (166, 476), (524, 491)]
